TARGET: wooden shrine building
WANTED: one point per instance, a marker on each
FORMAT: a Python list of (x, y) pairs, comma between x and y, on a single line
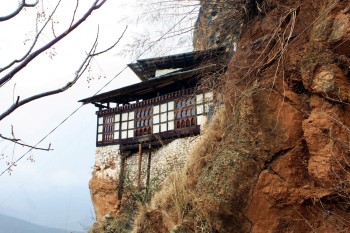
[(166, 104)]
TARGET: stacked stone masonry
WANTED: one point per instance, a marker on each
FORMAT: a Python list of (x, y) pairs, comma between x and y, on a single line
[(164, 160)]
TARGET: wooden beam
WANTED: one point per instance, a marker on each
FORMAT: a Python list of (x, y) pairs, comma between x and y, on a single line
[(148, 171), (140, 165), (121, 179), (101, 105)]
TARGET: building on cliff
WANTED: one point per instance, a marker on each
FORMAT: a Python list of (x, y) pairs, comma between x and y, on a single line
[(167, 106)]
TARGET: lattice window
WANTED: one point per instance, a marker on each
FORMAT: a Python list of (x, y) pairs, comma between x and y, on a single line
[(127, 125), (185, 112), (143, 121), (107, 129), (163, 117), (116, 126), (204, 104)]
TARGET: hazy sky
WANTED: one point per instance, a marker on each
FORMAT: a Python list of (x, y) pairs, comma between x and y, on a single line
[(53, 190)]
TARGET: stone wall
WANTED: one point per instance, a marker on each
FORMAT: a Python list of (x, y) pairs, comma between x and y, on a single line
[(164, 160), (106, 162), (106, 172)]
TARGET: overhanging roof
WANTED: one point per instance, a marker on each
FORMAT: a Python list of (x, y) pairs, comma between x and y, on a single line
[(193, 66), (145, 69), (149, 88)]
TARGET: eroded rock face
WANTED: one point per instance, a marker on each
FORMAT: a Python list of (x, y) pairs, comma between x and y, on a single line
[(325, 132), (104, 182), (301, 121), (104, 196), (213, 29)]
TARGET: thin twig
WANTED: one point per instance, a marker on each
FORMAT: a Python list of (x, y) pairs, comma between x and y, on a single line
[(34, 41), (96, 5), (82, 68), (18, 142)]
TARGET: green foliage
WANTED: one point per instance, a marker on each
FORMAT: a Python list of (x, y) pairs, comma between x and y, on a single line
[(114, 225)]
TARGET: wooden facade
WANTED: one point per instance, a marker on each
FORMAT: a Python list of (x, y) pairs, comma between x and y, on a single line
[(165, 105)]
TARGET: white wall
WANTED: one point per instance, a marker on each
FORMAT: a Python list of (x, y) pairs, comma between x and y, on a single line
[(164, 160)]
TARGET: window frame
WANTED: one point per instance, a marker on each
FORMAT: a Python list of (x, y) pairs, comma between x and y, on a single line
[(185, 112), (162, 117)]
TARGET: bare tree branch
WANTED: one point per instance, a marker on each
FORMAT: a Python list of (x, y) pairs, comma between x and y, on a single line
[(33, 51), (96, 5), (82, 68), (111, 47), (34, 41), (75, 11), (78, 74), (21, 6), (18, 142)]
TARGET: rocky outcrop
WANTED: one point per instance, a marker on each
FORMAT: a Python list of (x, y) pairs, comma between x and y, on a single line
[(219, 23), (104, 196), (279, 158), (299, 116), (104, 182)]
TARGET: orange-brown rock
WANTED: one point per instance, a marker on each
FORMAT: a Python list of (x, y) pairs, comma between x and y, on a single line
[(104, 196), (306, 187), (289, 97), (282, 161)]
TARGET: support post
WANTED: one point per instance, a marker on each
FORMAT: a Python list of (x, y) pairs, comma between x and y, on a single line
[(140, 167), (121, 178), (148, 169)]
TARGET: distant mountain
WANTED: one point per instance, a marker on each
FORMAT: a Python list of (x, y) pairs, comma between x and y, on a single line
[(76, 222), (14, 225)]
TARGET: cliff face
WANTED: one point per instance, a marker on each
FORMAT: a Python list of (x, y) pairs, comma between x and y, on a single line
[(104, 196), (277, 158), (299, 108), (219, 23)]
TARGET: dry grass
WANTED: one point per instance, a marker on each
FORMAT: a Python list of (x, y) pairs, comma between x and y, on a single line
[(176, 199), (211, 194), (213, 191), (172, 203), (212, 135), (210, 188)]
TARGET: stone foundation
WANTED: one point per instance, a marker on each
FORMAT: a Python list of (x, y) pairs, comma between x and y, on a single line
[(107, 167)]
